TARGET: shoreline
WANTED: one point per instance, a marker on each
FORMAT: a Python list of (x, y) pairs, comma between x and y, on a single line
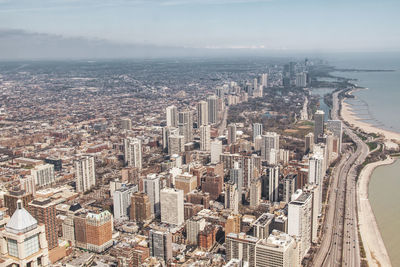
[(349, 116), (374, 247), (375, 250)]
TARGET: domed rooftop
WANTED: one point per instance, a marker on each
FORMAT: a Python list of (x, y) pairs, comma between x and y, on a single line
[(21, 221)]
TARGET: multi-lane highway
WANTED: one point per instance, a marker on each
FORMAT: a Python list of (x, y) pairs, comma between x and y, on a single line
[(339, 245)]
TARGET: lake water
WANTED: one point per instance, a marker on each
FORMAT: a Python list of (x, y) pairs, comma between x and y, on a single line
[(379, 105), (385, 199)]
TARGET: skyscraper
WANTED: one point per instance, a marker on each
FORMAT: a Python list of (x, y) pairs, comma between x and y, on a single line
[(232, 197), (216, 151), (85, 173), (278, 250), (273, 180), (151, 186), (242, 247), (176, 144), (160, 243), (319, 118), (270, 142), (168, 131), (99, 227), (301, 79), (140, 210), (257, 130), (335, 126), (205, 138), (193, 226), (300, 219), (309, 142), (43, 174), (212, 102), (172, 211), (264, 80), (12, 196), (44, 211), (202, 113), (231, 133), (236, 175), (133, 152), (172, 116), (122, 201), (255, 192), (185, 125)]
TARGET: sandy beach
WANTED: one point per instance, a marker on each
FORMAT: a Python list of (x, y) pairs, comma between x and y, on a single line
[(349, 116), (374, 246)]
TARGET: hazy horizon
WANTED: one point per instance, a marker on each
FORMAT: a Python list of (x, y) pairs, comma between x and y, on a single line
[(160, 28)]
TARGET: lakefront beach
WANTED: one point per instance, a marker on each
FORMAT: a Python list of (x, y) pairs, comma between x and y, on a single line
[(374, 246), (375, 250), (349, 116)]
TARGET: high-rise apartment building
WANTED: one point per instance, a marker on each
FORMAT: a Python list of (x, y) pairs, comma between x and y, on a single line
[(133, 152), (205, 138), (262, 227), (277, 250), (140, 210), (270, 143), (43, 174), (122, 201), (172, 116), (242, 247), (185, 125), (160, 243), (151, 186), (44, 211), (335, 126), (255, 192), (300, 220), (172, 211), (176, 144), (319, 119), (309, 143), (231, 133), (85, 173), (236, 176), (193, 227), (202, 113), (231, 197), (11, 198), (99, 227), (273, 181), (301, 79), (186, 182), (212, 103), (257, 130), (216, 151)]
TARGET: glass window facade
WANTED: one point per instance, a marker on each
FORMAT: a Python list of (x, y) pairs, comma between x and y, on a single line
[(12, 247), (31, 245)]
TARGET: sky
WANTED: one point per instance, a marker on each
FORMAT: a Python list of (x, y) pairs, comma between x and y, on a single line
[(284, 25)]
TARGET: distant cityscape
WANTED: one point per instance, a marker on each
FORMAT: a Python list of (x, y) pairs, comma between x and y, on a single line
[(186, 162)]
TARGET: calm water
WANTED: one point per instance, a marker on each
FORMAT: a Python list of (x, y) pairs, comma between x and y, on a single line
[(385, 202), (379, 105)]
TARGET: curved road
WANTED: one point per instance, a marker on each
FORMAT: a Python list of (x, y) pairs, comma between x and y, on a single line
[(339, 246)]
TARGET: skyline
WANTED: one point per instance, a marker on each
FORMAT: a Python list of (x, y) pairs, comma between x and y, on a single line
[(265, 25)]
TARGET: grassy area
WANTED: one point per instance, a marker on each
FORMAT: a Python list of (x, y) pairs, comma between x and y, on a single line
[(372, 145), (362, 137)]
